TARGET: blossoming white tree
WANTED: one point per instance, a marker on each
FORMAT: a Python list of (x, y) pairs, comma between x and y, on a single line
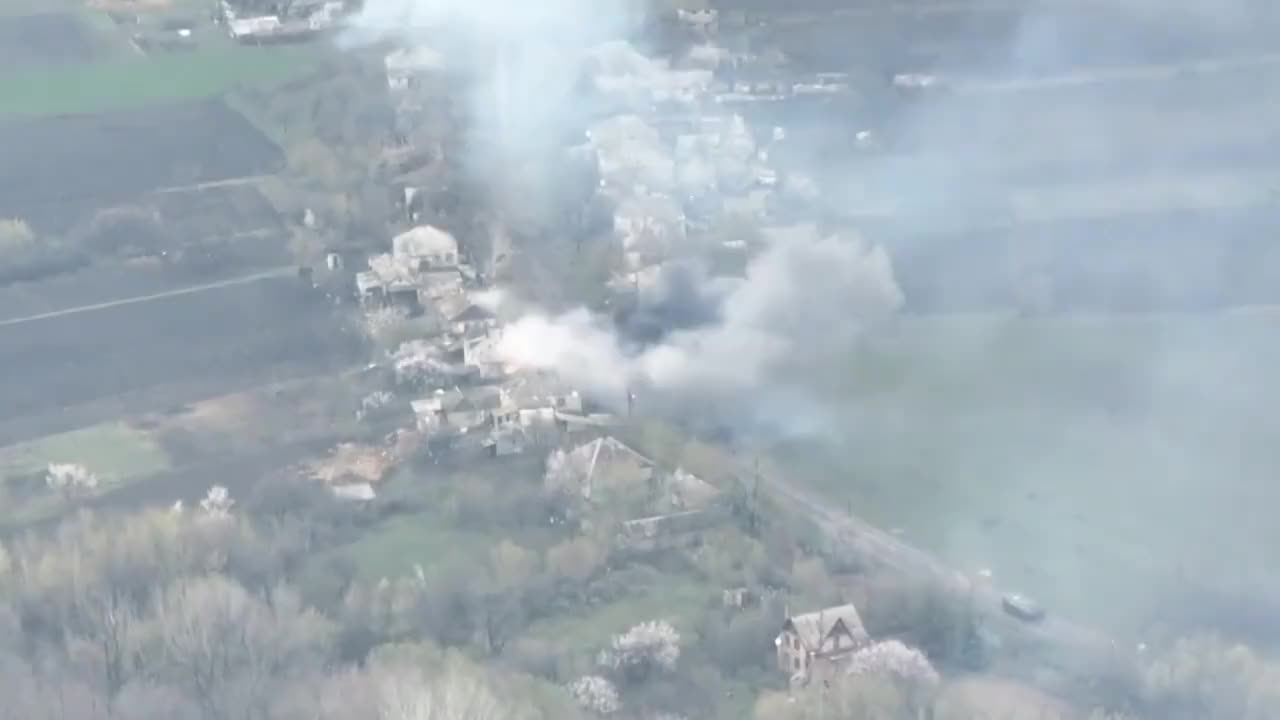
[(905, 667), (596, 694), (638, 651), (69, 478), (217, 502), (894, 659)]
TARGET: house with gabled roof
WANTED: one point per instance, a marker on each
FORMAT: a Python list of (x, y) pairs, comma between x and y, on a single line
[(600, 463), (819, 642)]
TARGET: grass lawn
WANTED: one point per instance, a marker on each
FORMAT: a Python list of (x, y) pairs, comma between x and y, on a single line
[(434, 538), (115, 451), (425, 539), (679, 599), (1086, 460), (131, 82)]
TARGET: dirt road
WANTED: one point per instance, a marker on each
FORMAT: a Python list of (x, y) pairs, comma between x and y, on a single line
[(242, 280), (1076, 649)]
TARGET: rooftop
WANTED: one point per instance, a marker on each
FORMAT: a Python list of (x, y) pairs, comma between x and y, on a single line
[(813, 627)]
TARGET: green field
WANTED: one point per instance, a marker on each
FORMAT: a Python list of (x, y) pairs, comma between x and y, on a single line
[(132, 82), (1089, 461), (123, 76), (423, 539), (114, 451)]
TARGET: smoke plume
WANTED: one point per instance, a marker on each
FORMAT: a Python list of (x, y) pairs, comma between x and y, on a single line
[(802, 300), (522, 60), (1080, 459)]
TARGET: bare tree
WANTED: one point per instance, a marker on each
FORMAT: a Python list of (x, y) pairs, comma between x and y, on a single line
[(1205, 676), (458, 693), (224, 646)]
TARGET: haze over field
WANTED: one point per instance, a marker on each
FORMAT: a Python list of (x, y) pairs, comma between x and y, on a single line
[(581, 358), (1089, 461)]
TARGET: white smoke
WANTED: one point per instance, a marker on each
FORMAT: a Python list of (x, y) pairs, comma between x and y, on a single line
[(523, 58), (802, 301)]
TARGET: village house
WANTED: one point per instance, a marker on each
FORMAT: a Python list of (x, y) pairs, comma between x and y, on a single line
[(649, 227), (303, 18), (701, 20), (431, 363), (417, 192), (426, 247), (507, 440), (457, 410), (602, 462), (370, 289), (424, 265), (480, 352), (606, 465), (253, 28), (459, 314), (630, 152), (533, 398), (818, 644), (405, 65)]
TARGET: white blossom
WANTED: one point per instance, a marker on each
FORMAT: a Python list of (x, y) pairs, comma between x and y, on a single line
[(596, 694), (894, 659), (650, 644), (68, 477), (217, 502)]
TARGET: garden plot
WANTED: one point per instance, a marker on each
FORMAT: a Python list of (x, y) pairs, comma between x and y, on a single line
[(57, 171), (142, 357)]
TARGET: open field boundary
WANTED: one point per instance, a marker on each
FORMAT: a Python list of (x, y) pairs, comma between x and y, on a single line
[(242, 280)]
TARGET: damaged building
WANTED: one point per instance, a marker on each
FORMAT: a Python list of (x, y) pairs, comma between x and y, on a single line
[(608, 468), (424, 265)]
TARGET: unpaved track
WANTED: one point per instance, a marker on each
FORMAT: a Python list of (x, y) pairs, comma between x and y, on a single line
[(242, 280), (1076, 649)]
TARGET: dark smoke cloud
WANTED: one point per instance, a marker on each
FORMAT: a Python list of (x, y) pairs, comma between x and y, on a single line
[(684, 297)]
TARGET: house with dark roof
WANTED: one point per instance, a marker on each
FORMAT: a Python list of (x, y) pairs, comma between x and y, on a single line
[(819, 643)]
